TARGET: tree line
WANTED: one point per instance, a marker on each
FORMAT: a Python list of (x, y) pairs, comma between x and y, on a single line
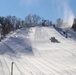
[(10, 23)]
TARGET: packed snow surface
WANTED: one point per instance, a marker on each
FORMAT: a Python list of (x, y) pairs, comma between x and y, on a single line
[(33, 53)]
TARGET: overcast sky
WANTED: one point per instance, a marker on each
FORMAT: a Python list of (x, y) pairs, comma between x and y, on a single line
[(47, 9)]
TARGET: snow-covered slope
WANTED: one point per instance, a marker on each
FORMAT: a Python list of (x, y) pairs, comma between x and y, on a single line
[(33, 53)]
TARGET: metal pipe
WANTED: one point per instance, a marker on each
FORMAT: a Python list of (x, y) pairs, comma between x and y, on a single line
[(12, 68)]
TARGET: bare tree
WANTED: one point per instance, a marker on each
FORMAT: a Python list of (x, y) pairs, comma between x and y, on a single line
[(32, 20), (35, 19)]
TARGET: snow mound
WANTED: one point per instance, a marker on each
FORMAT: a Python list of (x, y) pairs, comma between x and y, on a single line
[(34, 54)]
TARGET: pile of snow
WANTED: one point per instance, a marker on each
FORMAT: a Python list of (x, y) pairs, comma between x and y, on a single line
[(34, 54)]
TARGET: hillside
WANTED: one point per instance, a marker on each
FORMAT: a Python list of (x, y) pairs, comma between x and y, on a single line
[(33, 53)]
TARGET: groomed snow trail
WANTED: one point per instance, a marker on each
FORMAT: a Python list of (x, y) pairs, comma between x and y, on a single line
[(33, 53)]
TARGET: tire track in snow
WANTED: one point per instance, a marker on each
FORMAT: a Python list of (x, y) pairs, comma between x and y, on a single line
[(24, 66), (4, 66), (2, 70), (41, 66), (52, 68), (34, 67)]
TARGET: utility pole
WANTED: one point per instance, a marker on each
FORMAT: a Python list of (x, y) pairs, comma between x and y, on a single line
[(12, 68)]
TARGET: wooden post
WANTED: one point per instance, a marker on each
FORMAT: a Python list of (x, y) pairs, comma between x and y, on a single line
[(12, 68)]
